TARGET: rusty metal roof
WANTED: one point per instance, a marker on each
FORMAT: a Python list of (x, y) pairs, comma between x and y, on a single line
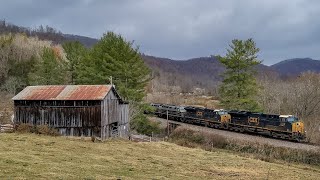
[(64, 92)]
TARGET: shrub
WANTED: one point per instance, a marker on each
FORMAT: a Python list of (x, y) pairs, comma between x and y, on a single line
[(45, 130), (144, 126), (206, 140), (40, 129), (265, 152), (23, 128), (188, 135), (214, 140)]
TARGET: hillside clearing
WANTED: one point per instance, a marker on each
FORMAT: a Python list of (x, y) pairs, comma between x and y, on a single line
[(42, 157)]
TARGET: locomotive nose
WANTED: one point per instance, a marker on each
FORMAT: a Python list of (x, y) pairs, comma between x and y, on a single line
[(226, 118), (298, 127)]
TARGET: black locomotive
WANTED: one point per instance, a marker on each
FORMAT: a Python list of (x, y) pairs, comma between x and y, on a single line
[(277, 126)]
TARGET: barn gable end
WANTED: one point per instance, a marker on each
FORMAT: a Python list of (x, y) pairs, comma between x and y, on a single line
[(114, 116)]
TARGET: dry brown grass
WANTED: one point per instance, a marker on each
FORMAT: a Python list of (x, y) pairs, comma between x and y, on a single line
[(42, 157)]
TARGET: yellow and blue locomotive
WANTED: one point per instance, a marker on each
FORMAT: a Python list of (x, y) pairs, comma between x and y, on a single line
[(277, 126)]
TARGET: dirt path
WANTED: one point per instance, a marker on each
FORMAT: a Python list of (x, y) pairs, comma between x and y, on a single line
[(244, 137)]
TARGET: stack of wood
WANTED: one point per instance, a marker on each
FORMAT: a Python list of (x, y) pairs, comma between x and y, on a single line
[(6, 128)]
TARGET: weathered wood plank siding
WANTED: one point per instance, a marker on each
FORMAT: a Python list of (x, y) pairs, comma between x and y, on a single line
[(124, 121), (113, 117), (109, 115), (71, 118)]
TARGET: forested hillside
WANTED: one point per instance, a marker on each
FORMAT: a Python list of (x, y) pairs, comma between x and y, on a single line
[(294, 67), (202, 74), (45, 33), (185, 76)]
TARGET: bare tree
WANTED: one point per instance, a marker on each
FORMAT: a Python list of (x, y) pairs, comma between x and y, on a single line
[(300, 96)]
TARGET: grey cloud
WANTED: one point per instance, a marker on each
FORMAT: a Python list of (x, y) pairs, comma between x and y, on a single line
[(182, 29)]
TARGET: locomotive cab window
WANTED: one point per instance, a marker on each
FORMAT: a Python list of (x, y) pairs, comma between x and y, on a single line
[(283, 119), (292, 119), (288, 118), (222, 112)]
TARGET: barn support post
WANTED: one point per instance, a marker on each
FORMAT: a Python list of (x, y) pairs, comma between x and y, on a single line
[(107, 131), (102, 132), (168, 123)]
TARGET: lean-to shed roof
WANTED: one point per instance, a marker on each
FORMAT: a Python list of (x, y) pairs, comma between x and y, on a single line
[(64, 92)]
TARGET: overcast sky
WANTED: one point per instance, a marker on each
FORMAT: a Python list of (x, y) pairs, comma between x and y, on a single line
[(183, 29)]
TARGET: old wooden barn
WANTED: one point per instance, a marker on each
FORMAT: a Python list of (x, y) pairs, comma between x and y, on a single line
[(75, 110)]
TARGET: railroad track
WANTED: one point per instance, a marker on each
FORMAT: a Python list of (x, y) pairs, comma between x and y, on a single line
[(242, 137)]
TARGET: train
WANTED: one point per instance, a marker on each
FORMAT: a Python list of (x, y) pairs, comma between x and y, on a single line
[(286, 127)]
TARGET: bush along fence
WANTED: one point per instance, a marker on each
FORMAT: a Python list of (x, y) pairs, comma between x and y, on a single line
[(190, 138)]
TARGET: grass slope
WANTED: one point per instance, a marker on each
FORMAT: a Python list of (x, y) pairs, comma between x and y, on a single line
[(43, 157)]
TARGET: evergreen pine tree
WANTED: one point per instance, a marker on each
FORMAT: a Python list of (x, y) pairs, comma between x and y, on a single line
[(239, 86), (49, 70), (75, 53), (115, 57)]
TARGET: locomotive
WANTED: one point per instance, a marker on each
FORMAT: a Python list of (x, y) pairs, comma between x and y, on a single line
[(277, 126)]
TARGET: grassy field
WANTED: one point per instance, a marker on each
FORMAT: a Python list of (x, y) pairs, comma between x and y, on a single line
[(43, 157)]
